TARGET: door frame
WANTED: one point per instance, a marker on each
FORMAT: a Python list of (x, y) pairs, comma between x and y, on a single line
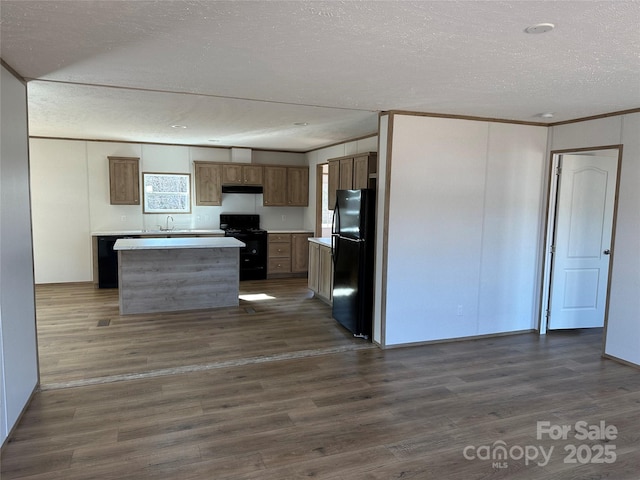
[(320, 167), (552, 204), (318, 226)]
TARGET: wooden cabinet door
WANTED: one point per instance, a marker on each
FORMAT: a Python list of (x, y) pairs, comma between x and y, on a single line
[(208, 181), (325, 281), (361, 170), (300, 252), (236, 174), (231, 174), (334, 182), (124, 180), (275, 186), (298, 186), (252, 174), (314, 267), (346, 174)]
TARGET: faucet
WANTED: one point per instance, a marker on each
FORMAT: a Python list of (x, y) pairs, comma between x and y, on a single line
[(167, 224)]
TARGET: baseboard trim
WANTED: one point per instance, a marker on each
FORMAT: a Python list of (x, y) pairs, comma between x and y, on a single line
[(36, 388), (620, 360), (458, 339)]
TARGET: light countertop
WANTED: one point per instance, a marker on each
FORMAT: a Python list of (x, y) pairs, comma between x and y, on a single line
[(288, 231), (176, 243), (321, 240), (143, 233)]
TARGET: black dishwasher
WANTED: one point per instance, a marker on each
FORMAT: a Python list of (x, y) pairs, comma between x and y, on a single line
[(107, 262)]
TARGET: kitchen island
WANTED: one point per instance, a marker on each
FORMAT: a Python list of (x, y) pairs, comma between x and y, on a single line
[(169, 274), (105, 258)]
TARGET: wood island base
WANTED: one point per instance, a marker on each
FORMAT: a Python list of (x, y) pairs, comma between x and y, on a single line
[(187, 274)]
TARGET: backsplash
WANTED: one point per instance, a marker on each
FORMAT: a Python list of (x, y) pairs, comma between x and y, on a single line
[(274, 218)]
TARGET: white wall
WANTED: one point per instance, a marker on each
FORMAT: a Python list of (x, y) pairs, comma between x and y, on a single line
[(70, 185), (512, 229), (464, 203), (18, 348), (60, 211), (623, 325)]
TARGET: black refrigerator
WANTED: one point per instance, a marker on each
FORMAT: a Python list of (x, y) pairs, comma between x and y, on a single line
[(353, 260)]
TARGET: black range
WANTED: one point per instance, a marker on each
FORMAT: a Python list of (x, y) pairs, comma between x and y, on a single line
[(246, 228)]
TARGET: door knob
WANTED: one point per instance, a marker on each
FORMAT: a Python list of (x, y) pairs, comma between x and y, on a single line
[(607, 252)]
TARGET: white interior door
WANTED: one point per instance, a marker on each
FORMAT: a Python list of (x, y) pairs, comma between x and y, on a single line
[(582, 244)]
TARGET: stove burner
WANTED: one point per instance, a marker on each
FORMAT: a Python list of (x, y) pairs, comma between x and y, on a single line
[(239, 222)]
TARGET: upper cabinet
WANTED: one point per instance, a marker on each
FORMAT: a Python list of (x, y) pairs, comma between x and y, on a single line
[(235, 174), (275, 186), (286, 186), (345, 181), (283, 186), (351, 172), (365, 168), (124, 180), (208, 183), (298, 186)]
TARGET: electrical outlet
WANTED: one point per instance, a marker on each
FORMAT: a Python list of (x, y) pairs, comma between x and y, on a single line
[(123, 218), (284, 218), (459, 313)]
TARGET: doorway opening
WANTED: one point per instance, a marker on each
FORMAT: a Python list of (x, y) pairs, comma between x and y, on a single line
[(580, 236)]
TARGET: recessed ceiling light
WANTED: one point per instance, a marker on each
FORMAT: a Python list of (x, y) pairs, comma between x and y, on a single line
[(301, 124), (546, 115), (540, 28), (213, 140), (178, 126)]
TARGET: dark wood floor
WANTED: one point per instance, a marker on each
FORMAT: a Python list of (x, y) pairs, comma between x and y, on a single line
[(275, 389)]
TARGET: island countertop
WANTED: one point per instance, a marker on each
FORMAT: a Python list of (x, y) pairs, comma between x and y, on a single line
[(152, 232), (176, 243)]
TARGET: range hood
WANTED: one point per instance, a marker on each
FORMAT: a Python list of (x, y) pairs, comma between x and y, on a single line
[(242, 189)]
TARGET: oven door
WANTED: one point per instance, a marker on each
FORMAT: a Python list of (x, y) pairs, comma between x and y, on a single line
[(253, 257)]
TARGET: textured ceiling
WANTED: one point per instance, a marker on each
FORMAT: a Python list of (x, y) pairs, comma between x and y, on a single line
[(242, 73)]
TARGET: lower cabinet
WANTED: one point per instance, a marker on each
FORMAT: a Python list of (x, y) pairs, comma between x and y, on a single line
[(279, 254), (314, 267), (321, 271), (288, 254), (325, 283)]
